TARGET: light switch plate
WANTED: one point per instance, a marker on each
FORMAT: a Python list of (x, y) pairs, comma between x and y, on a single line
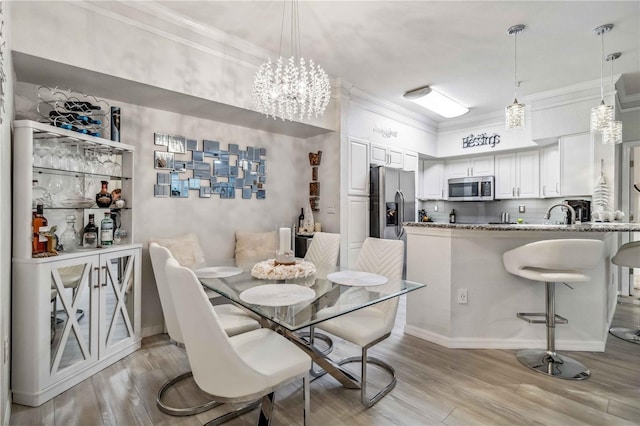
[(331, 209)]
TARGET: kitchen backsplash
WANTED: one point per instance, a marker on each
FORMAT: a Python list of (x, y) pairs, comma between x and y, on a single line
[(491, 211)]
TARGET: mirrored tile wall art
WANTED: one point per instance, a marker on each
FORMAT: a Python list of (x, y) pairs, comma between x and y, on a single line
[(314, 185), (210, 169)]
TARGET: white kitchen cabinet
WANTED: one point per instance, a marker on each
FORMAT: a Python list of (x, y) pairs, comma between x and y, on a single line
[(386, 156), (358, 226), (358, 167), (576, 165), (550, 171), (412, 164), (476, 166), (517, 175), (433, 181), (76, 312)]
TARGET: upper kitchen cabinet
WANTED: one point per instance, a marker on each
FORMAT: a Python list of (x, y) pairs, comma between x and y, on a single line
[(550, 171), (576, 165), (412, 164), (433, 181), (386, 156), (478, 166), (517, 175), (358, 167)]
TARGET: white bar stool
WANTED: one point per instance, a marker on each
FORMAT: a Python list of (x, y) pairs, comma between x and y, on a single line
[(628, 255), (552, 261)]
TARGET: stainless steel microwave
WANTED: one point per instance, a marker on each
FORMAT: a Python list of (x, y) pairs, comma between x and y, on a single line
[(471, 189)]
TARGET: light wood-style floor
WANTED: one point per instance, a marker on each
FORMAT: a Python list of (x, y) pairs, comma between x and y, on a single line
[(435, 386)]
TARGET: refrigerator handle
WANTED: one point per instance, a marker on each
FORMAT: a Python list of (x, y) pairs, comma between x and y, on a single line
[(400, 228), (397, 201)]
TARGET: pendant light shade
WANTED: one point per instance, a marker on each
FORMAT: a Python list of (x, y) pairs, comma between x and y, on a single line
[(602, 114), (612, 131), (289, 88), (514, 114)]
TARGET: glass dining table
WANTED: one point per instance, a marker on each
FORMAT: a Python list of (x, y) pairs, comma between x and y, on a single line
[(290, 305)]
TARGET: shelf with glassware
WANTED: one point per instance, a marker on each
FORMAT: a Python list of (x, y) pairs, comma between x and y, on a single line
[(75, 311), (71, 175)]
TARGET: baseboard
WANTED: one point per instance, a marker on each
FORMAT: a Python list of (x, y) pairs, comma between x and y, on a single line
[(152, 330), (493, 343)]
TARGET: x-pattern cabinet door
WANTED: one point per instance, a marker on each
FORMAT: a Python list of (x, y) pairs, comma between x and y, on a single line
[(73, 307), (118, 272)]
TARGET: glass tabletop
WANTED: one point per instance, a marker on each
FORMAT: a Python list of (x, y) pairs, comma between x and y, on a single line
[(301, 302)]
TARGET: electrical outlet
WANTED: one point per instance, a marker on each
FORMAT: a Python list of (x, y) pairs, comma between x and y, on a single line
[(435, 208), (331, 209), (462, 295), (521, 209)]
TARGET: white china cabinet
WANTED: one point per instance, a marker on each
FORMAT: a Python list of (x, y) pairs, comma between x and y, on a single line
[(77, 312)]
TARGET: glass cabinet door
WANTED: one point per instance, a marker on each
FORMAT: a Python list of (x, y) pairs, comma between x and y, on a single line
[(72, 313), (117, 299)]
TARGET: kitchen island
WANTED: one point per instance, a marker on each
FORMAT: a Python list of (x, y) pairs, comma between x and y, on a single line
[(466, 259)]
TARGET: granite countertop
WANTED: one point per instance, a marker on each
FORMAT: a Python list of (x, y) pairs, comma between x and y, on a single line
[(583, 227)]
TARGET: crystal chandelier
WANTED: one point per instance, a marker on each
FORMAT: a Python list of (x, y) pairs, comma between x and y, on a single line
[(602, 114), (514, 113), (612, 132), (291, 87)]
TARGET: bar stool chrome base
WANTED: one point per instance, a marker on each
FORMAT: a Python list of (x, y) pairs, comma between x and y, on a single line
[(629, 334), (553, 364)]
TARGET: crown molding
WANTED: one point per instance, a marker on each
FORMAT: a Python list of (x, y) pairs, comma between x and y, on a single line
[(391, 110)]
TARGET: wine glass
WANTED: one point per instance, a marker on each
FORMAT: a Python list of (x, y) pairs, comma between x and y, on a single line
[(57, 155), (55, 186), (72, 160), (108, 165), (43, 154)]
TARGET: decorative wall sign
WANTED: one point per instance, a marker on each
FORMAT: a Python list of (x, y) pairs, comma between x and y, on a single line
[(215, 170), (482, 139), (385, 132)]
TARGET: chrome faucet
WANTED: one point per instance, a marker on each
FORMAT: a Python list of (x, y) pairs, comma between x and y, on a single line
[(572, 220)]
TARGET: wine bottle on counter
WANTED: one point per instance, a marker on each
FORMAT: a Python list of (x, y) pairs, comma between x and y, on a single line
[(90, 234), (38, 220), (106, 230), (452, 216), (301, 220)]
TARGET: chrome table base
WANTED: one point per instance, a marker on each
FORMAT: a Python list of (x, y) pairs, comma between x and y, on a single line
[(553, 364), (629, 334)]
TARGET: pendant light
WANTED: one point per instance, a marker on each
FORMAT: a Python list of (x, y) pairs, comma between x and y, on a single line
[(602, 114), (514, 113), (291, 87), (612, 132)]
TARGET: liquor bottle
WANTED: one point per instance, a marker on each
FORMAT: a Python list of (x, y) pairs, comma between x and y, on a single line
[(104, 197), (90, 235), (39, 244), (301, 220), (452, 216), (106, 230), (80, 106), (115, 124), (69, 236)]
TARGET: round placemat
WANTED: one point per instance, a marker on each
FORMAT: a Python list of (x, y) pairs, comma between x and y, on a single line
[(217, 272), (357, 278), (277, 294)]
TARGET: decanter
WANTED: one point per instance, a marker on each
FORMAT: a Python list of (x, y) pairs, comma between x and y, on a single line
[(69, 237)]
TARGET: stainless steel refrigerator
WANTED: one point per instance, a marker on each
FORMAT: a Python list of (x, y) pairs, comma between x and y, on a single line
[(393, 201)]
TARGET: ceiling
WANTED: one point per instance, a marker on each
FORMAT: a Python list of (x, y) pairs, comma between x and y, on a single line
[(458, 47)]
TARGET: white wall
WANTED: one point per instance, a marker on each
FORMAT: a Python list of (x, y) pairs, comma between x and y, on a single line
[(5, 219)]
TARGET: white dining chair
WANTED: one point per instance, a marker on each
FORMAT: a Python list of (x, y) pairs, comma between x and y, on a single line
[(323, 252), (237, 368), (368, 326), (233, 320)]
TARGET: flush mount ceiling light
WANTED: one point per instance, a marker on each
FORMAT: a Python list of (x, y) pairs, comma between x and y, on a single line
[(612, 132), (291, 87), (514, 113), (435, 101), (602, 114)]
